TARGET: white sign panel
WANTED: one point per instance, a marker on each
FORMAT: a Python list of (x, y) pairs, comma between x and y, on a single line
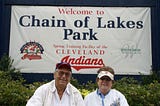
[(85, 37)]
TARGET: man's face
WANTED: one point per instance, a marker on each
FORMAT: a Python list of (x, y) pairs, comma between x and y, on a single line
[(104, 84), (62, 77)]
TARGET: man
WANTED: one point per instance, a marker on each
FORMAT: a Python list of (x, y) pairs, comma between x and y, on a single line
[(104, 95), (58, 92)]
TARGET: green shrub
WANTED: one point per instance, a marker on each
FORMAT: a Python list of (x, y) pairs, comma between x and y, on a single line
[(12, 92), (6, 66), (147, 79)]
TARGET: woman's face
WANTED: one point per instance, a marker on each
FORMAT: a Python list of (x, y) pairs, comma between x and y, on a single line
[(104, 84)]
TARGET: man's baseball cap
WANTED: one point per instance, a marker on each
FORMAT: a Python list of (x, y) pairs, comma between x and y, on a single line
[(63, 65), (106, 73)]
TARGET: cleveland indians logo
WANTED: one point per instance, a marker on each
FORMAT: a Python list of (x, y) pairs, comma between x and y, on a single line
[(32, 51)]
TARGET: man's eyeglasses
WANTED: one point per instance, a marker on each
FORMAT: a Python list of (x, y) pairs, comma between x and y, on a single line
[(61, 73)]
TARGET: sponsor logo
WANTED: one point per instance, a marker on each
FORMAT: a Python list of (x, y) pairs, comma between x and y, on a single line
[(31, 51), (83, 62), (129, 50)]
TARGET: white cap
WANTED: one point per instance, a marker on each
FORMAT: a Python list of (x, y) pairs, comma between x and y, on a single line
[(106, 73)]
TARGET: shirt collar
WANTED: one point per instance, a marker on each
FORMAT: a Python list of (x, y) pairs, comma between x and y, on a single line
[(101, 95), (66, 90)]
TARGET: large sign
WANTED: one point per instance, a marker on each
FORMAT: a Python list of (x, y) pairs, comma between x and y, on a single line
[(85, 37)]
